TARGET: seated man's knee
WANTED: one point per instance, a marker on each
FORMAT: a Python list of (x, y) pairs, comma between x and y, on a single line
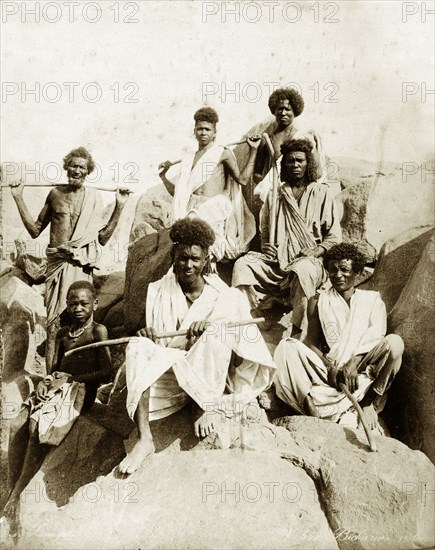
[(396, 345)]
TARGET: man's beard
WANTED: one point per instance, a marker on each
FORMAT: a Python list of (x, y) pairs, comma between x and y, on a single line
[(76, 183)]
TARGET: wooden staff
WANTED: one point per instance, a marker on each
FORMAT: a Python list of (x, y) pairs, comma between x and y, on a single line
[(275, 185), (361, 415), (126, 339), (110, 189), (227, 145)]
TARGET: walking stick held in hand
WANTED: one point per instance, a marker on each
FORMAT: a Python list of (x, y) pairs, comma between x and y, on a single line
[(362, 417), (275, 185), (232, 144)]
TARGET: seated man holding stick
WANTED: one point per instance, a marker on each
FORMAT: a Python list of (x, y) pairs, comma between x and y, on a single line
[(346, 344), (188, 350), (297, 227)]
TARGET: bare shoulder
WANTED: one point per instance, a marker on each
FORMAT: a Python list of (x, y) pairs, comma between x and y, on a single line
[(99, 331), (61, 333)]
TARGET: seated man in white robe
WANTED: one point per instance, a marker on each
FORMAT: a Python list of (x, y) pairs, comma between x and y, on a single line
[(290, 268), (208, 184), (346, 343), (222, 369)]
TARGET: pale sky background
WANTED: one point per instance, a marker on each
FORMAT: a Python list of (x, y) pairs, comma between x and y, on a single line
[(176, 51)]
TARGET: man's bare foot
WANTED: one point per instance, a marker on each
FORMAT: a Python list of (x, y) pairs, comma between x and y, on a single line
[(264, 401), (371, 417), (206, 423), (142, 449), (11, 512)]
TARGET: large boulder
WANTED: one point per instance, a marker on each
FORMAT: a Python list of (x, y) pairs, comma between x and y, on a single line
[(372, 500), (148, 260), (412, 317), (153, 212), (110, 293), (22, 319), (303, 484), (397, 260), (379, 201), (404, 277)]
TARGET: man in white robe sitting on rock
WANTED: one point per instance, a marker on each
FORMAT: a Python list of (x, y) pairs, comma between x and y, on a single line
[(346, 343), (222, 369)]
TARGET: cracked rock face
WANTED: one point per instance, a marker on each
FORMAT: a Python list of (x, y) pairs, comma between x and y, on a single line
[(298, 483)]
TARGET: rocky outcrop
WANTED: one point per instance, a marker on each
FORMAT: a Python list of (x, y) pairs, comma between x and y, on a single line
[(153, 213), (404, 277), (302, 484), (148, 260), (22, 319), (110, 293), (381, 200)]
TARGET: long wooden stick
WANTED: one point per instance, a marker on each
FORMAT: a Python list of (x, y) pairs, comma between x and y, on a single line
[(275, 185), (361, 415), (126, 339), (227, 145), (110, 189)]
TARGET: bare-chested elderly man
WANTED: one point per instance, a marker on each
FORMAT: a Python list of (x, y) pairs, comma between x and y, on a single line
[(208, 184), (74, 214)]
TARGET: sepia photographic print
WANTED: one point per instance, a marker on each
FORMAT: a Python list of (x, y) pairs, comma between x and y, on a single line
[(217, 274)]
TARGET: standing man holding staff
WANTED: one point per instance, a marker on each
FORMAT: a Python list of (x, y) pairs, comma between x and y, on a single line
[(73, 212)]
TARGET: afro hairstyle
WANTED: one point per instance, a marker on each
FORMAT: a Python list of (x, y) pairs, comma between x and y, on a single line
[(345, 251), (192, 231), (206, 114), (293, 96)]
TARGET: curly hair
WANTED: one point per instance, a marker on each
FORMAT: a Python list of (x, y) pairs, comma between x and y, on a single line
[(80, 152), (206, 114), (345, 251), (192, 231), (83, 285), (293, 96), (301, 146)]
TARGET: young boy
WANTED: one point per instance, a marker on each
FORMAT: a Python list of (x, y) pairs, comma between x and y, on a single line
[(81, 372)]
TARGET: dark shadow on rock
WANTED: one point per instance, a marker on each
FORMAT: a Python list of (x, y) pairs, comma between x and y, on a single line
[(356, 439), (88, 451)]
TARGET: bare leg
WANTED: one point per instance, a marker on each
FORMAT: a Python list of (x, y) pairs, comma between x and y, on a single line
[(19, 439), (34, 457), (144, 446), (52, 329), (299, 303), (310, 408)]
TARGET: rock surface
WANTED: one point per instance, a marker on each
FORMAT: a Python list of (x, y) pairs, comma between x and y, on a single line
[(22, 319), (153, 213), (303, 484), (148, 260), (110, 293)]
